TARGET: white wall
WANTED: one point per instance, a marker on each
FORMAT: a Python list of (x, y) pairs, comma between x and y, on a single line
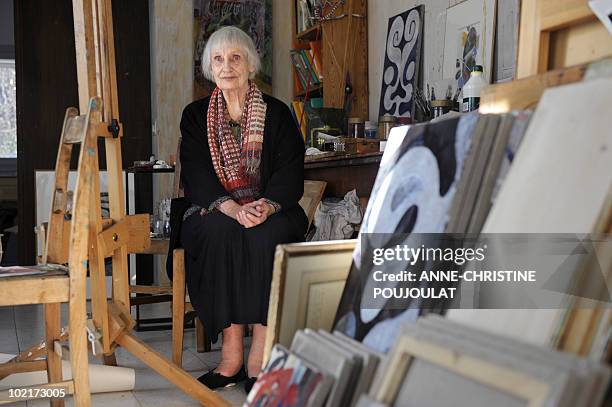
[(282, 32), (171, 36), (171, 76)]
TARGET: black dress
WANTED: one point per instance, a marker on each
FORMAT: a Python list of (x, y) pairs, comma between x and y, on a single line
[(229, 267)]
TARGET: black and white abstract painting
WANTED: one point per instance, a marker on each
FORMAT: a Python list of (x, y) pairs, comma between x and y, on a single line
[(402, 62), (412, 194)]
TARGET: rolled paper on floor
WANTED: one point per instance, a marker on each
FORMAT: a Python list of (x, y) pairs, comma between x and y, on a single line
[(102, 378)]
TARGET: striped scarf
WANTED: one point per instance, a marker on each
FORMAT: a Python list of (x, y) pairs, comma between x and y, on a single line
[(237, 165)]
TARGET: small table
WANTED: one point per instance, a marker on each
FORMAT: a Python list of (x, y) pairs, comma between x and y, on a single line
[(344, 172), (143, 186)]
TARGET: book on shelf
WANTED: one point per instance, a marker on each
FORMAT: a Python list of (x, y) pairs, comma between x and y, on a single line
[(307, 56), (298, 108), (297, 83), (306, 74), (315, 49), (299, 69)]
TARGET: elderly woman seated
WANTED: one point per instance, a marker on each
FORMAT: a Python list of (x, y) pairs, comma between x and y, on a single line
[(242, 160)]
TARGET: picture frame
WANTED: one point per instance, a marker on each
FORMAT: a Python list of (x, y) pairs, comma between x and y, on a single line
[(330, 358), (252, 16), (589, 380), (553, 37), (307, 283), (408, 349), (286, 377)]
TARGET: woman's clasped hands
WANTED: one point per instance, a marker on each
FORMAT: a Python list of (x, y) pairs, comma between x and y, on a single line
[(254, 213)]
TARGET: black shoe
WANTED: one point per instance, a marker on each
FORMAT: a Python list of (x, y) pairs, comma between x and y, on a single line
[(248, 384), (214, 380)]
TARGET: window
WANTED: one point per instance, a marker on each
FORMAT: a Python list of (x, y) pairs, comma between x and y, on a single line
[(8, 110)]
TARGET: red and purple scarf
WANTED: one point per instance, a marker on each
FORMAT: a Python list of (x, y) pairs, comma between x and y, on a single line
[(237, 165)]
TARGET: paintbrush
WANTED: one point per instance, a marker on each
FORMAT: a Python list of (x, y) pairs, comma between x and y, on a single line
[(457, 92)]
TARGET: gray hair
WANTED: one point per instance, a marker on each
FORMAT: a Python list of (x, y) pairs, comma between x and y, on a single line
[(223, 37)]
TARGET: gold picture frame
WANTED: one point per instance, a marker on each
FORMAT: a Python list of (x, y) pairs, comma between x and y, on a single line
[(307, 284)]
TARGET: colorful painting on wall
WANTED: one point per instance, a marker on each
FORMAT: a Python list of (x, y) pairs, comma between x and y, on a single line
[(470, 28), (287, 380), (402, 63), (252, 16), (413, 193)]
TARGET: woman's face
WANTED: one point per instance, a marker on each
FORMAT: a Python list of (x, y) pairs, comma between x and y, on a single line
[(230, 68)]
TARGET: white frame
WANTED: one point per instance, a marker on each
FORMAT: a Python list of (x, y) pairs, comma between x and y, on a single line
[(406, 349), (462, 15)]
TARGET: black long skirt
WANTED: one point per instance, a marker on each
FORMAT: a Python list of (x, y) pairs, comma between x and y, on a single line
[(229, 268)]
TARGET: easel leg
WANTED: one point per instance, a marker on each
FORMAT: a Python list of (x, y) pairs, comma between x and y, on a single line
[(175, 375), (52, 334), (78, 338), (178, 306)]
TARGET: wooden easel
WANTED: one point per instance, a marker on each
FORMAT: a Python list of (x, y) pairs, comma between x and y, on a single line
[(121, 234), (52, 287)]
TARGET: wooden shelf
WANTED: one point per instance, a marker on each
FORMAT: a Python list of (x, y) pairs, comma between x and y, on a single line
[(314, 91), (311, 34), (338, 58)]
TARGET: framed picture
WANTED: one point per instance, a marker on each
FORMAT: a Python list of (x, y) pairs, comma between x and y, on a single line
[(490, 378), (288, 379), (331, 358), (402, 63), (468, 41), (307, 284)]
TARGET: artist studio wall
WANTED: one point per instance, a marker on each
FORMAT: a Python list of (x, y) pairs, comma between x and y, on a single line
[(379, 13), (171, 34), (432, 55)]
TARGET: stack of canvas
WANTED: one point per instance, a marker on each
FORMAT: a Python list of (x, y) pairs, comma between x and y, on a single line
[(437, 362), (289, 380), (320, 369), (560, 182)]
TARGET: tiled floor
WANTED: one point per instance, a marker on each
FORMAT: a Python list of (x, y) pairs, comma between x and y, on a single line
[(21, 327)]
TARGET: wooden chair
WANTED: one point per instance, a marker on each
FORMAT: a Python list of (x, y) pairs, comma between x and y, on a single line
[(180, 306), (54, 287), (313, 193)]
